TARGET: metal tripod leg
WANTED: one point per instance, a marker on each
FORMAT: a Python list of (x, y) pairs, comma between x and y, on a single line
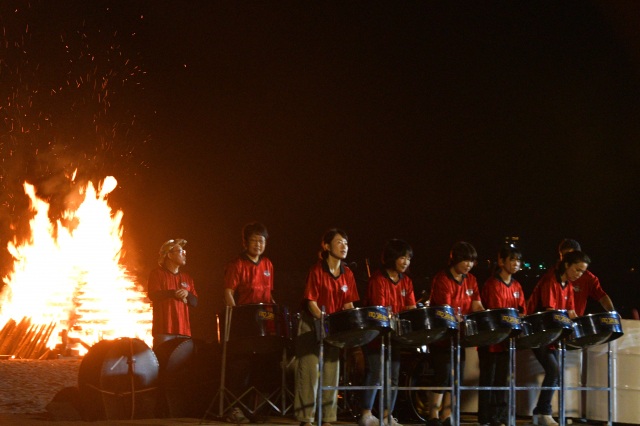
[(220, 396)]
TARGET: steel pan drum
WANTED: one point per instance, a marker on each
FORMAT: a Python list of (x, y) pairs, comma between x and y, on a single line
[(356, 327), (118, 380), (258, 328), (595, 329), (544, 328), (429, 324), (490, 327)]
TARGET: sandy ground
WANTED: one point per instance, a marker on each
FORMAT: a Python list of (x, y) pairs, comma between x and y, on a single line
[(28, 388), (43, 420)]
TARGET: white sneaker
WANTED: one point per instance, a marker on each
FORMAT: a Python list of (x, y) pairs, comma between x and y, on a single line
[(369, 420), (237, 416), (544, 420), (394, 422)]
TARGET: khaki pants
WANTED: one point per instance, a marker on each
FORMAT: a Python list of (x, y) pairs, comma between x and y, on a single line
[(306, 378)]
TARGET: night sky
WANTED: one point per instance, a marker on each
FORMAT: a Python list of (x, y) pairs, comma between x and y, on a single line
[(427, 121)]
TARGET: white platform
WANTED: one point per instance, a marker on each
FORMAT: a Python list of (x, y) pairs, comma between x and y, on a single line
[(625, 353)]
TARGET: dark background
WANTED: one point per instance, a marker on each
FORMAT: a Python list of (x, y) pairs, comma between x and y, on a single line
[(427, 121)]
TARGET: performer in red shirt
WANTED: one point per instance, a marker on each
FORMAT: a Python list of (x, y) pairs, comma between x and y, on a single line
[(554, 291), (584, 288), (249, 278), (455, 287), (501, 290), (388, 286), (172, 293), (330, 284), (587, 286)]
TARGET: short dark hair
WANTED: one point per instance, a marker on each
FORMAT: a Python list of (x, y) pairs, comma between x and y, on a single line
[(254, 228), (328, 236), (393, 250), (509, 251), (570, 258), (462, 251), (568, 244)]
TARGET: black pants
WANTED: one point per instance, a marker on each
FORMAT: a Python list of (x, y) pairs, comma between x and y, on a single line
[(440, 357), (494, 371), (549, 360)]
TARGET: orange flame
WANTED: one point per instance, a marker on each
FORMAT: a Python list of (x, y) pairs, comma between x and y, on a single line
[(74, 277)]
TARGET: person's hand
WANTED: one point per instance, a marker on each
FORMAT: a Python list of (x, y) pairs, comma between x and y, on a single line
[(182, 295)]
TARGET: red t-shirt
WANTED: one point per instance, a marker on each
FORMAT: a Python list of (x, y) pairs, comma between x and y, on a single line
[(252, 281), (329, 291), (382, 291), (170, 315), (588, 285), (550, 293), (498, 294), (445, 290)]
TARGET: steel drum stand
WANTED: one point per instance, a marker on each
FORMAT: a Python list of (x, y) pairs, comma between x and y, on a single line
[(385, 379), (455, 413), (225, 395), (562, 387), (347, 407), (513, 388), (455, 374), (320, 368), (607, 388), (384, 374), (511, 416), (510, 387), (221, 395), (561, 396), (284, 391)]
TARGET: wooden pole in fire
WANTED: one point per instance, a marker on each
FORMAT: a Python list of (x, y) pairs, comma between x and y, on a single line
[(4, 335), (8, 326), (17, 336), (41, 346), (26, 342), (31, 344), (8, 341)]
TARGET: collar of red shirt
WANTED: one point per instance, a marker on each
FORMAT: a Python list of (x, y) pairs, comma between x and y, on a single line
[(385, 273), (244, 256), (325, 267), (448, 272)]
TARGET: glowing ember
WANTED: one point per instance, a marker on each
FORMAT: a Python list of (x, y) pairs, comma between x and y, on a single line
[(70, 273)]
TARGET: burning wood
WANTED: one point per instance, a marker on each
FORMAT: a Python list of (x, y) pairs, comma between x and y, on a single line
[(25, 340), (68, 280)]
